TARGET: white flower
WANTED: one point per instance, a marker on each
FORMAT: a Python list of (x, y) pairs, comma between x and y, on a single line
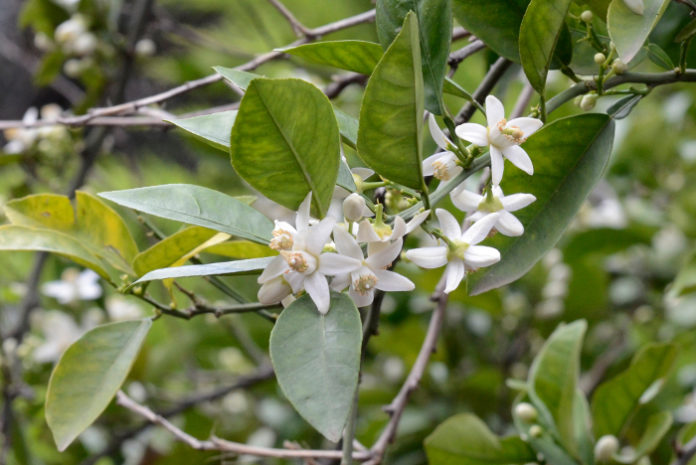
[(379, 234), (120, 308), (636, 6), (74, 286), (21, 139), (68, 31), (60, 330), (502, 137), (461, 252), (442, 165), (495, 203), (367, 274)]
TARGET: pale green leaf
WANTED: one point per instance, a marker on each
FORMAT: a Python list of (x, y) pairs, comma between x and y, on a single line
[(208, 269), (629, 30), (241, 250), (213, 129), (352, 55)]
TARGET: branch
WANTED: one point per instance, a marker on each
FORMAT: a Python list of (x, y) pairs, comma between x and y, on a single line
[(465, 52), (297, 26), (489, 81)]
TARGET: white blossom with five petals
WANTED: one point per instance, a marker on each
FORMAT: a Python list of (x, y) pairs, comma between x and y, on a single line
[(461, 252), (502, 137), (378, 234)]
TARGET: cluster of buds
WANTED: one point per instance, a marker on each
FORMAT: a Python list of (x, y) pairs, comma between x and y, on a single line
[(44, 138)]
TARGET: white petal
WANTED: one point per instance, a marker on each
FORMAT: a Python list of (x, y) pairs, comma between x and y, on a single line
[(416, 221), (495, 112), (366, 232), (399, 228), (479, 230), (273, 291), (508, 224), (472, 132), (302, 217), (438, 136), (477, 256), (496, 165), (275, 268), (448, 224), (519, 158), (364, 173), (465, 200), (63, 292), (636, 6), (385, 256), (318, 235), (340, 282), (335, 263), (528, 125), (346, 244), (455, 273), (361, 300), (318, 289), (390, 281), (428, 169), (428, 257), (515, 202), (295, 279)]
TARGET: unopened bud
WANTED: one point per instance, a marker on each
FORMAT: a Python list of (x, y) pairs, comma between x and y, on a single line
[(588, 102), (577, 100), (274, 291), (535, 431), (354, 207), (619, 66), (84, 44), (145, 48), (586, 16), (600, 58), (526, 412), (605, 448)]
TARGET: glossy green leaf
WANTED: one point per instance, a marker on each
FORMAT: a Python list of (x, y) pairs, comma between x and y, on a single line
[(540, 30), (238, 78), (623, 107), (553, 379), (171, 249), (466, 440), (496, 22), (353, 55), (316, 359), (213, 129), (391, 116), (599, 7), (285, 142), (656, 427), (345, 177), (582, 427), (241, 250), (88, 375), (199, 206), (434, 18), (616, 400), (208, 269), (570, 155), (629, 30), (660, 57)]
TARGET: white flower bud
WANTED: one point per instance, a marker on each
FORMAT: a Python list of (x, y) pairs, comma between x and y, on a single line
[(145, 48), (535, 431), (43, 42), (70, 30), (600, 58), (605, 448), (588, 102), (84, 44), (274, 291), (74, 67), (354, 207), (526, 412), (586, 16), (619, 66), (636, 6)]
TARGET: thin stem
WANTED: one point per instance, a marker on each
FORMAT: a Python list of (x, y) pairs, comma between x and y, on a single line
[(487, 84), (297, 26), (683, 50)]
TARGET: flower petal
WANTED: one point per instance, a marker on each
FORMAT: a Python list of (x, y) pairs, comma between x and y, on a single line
[(364, 173), (340, 282), (454, 275), (497, 166), (479, 230), (366, 232), (318, 289), (448, 224), (528, 125), (515, 202), (275, 268), (465, 200), (428, 168), (495, 112), (428, 257), (436, 133), (399, 228), (361, 300), (477, 256), (295, 279), (472, 132), (416, 221), (318, 235), (519, 158), (335, 263), (302, 217), (391, 281), (385, 256), (273, 291), (346, 244), (508, 224)]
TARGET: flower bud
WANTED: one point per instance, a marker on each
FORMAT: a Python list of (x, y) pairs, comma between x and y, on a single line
[(588, 102), (274, 291), (69, 30), (84, 44), (74, 67), (599, 58), (145, 48), (535, 431), (619, 66), (586, 16), (605, 448), (526, 412), (42, 42), (354, 207), (636, 6)]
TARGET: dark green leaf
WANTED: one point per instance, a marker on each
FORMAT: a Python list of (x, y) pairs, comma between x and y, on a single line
[(687, 33), (391, 116), (353, 55), (285, 142), (660, 57), (623, 107), (629, 30), (604, 241), (213, 129), (209, 269), (655, 429), (570, 156), (199, 206), (316, 359), (88, 375), (434, 19)]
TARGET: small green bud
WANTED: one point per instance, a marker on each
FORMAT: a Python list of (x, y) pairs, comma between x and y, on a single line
[(588, 102), (526, 412), (605, 448), (535, 431), (138, 290), (619, 66), (600, 58), (586, 16)]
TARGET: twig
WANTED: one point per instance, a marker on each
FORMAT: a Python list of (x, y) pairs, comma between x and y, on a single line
[(523, 100), (485, 88), (688, 3), (465, 52), (299, 29)]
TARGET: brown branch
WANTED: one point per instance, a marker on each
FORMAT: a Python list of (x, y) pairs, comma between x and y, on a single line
[(465, 52), (487, 84)]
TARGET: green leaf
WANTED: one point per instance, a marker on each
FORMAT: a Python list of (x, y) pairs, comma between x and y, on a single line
[(285, 142), (582, 421), (241, 250), (685, 281), (604, 241), (687, 33), (629, 30), (623, 107), (208, 269), (213, 129), (541, 28), (616, 400), (345, 177), (495, 22), (570, 155), (316, 359), (599, 7), (171, 249), (660, 57), (199, 206), (655, 429), (353, 55), (391, 115), (553, 380), (88, 375), (241, 79), (434, 18), (465, 439)]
